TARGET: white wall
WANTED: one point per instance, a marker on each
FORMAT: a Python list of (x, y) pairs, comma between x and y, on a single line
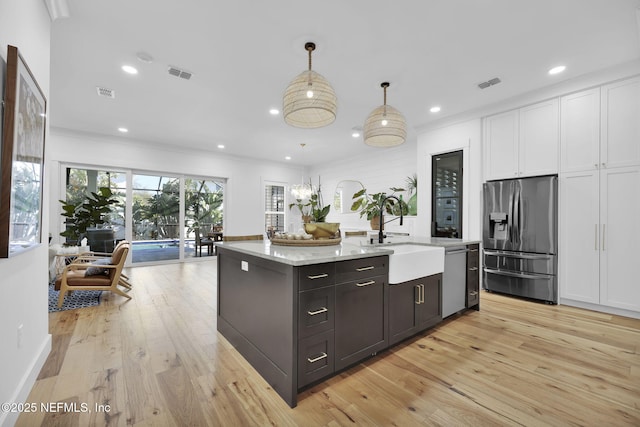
[(24, 24), (378, 170), (244, 194), (466, 136)]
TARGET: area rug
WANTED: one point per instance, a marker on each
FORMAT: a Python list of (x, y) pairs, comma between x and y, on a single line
[(78, 299)]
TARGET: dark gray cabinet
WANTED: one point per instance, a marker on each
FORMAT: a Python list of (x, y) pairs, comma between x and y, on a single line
[(360, 320), (297, 325), (414, 306), (473, 277), (342, 315)]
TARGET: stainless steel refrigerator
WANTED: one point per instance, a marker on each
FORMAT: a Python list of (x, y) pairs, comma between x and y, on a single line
[(520, 237)]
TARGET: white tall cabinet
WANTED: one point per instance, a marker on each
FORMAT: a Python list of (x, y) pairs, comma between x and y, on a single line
[(600, 196)]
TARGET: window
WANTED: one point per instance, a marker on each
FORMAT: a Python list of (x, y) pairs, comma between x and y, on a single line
[(274, 208), (80, 182), (446, 191)]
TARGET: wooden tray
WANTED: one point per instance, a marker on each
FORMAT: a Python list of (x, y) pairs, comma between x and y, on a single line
[(310, 242)]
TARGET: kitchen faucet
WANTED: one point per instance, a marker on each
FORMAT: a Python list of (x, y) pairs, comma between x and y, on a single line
[(381, 235)]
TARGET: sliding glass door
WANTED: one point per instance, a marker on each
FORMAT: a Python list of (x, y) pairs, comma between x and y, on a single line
[(163, 212), (156, 218)]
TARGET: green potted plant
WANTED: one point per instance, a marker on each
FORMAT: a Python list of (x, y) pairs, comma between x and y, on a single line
[(318, 211), (304, 208), (87, 214), (369, 204), (412, 188)]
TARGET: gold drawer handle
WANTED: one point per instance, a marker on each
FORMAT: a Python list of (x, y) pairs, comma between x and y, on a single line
[(371, 267), (313, 313), (370, 282), (315, 359), (473, 269), (473, 293), (318, 276)]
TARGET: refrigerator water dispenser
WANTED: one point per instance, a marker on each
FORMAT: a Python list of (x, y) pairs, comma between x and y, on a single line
[(498, 228)]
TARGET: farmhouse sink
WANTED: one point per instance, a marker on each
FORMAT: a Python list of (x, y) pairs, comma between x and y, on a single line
[(409, 262)]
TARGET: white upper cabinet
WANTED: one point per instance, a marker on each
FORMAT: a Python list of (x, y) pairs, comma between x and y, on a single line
[(522, 142), (620, 133), (580, 131), (501, 145), (538, 153)]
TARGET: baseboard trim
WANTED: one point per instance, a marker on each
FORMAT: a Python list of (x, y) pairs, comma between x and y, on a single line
[(600, 308), (26, 384)]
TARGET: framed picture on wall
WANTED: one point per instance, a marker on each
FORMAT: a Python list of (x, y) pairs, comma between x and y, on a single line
[(21, 158)]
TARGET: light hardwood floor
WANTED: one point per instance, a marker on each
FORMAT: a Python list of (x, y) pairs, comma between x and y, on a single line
[(158, 360)]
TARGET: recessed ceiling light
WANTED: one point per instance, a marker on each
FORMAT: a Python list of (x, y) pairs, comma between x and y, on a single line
[(435, 109), (274, 111), (557, 70), (129, 69), (123, 130), (287, 157), (355, 134), (221, 146)]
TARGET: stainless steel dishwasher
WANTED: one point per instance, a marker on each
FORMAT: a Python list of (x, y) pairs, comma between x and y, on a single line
[(454, 280)]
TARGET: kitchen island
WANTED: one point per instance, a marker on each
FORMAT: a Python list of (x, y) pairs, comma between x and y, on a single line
[(299, 315)]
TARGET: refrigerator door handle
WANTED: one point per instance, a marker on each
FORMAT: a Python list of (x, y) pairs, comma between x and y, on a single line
[(516, 215), (510, 218), (513, 255), (518, 275)]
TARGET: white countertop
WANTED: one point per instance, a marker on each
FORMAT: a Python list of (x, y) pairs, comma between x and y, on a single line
[(349, 248)]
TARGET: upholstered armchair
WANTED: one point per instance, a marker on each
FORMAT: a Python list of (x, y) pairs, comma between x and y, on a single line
[(103, 276)]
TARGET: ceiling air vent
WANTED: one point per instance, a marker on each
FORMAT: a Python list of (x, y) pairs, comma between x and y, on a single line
[(177, 72), (488, 83), (107, 93)]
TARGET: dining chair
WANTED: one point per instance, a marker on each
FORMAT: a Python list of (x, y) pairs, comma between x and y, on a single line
[(203, 241), (239, 238)]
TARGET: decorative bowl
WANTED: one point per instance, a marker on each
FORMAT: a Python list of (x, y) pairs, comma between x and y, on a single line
[(323, 230)]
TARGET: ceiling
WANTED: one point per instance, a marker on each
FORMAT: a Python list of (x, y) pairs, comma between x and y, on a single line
[(244, 53)]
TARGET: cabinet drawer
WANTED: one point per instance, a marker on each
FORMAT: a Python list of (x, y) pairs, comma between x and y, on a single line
[(473, 287), (356, 269), (316, 276), (473, 256), (315, 357), (316, 311)]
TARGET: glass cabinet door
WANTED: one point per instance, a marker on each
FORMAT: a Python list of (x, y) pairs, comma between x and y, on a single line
[(446, 205)]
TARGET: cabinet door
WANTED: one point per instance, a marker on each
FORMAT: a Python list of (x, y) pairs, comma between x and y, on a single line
[(404, 302), (430, 308), (360, 322), (579, 237), (620, 237), (539, 139), (580, 131), (501, 145), (620, 138)]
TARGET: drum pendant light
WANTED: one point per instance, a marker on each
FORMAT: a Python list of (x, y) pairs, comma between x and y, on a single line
[(309, 101), (385, 126)]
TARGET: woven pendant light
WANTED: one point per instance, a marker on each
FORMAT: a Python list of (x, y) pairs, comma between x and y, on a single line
[(385, 126), (309, 101)]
